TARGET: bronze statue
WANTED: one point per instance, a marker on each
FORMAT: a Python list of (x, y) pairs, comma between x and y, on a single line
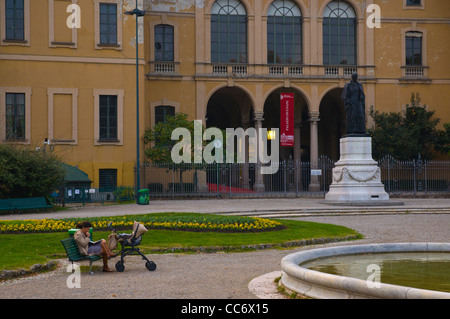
[(354, 103)]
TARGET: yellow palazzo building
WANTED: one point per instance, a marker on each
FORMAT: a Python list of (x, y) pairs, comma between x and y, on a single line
[(224, 62)]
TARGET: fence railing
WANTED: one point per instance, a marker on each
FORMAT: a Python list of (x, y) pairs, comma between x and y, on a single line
[(293, 179), (73, 194), (225, 179), (415, 176)]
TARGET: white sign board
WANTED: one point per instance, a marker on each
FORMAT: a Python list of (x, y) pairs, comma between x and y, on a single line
[(316, 172)]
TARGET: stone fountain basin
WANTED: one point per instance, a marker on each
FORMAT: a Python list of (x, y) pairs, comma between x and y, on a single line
[(321, 285)]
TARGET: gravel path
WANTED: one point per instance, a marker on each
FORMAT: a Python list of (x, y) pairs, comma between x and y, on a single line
[(222, 275)]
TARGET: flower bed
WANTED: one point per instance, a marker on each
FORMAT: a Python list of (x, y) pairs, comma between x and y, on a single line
[(185, 222)]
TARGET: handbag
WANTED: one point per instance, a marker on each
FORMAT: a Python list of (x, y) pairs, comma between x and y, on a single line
[(112, 241)]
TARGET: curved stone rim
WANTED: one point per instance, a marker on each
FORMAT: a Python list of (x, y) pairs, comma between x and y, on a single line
[(320, 285)]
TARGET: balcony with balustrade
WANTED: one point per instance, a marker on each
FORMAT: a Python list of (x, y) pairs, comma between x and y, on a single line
[(281, 71), (415, 73)]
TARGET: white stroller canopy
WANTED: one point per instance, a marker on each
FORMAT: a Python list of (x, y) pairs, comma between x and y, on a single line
[(138, 229)]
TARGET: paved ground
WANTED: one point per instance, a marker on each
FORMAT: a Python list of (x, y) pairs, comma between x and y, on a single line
[(222, 275), (289, 206)]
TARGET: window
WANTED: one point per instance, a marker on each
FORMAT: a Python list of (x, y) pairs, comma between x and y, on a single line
[(15, 21), (161, 113), (108, 23), (107, 180), (228, 32), (339, 34), (413, 48), (15, 116), (164, 43), (414, 53), (108, 118), (284, 33), (413, 2)]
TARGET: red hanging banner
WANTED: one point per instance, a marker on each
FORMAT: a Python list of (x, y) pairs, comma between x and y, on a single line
[(287, 119)]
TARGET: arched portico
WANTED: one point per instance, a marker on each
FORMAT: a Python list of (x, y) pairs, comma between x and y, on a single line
[(232, 107), (229, 107), (272, 120), (300, 151), (332, 123)]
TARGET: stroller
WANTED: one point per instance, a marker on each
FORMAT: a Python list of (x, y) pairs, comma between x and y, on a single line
[(129, 243)]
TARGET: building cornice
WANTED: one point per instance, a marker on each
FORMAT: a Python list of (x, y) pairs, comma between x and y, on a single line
[(70, 59)]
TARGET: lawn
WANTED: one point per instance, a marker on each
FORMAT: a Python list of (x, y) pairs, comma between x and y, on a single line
[(24, 250)]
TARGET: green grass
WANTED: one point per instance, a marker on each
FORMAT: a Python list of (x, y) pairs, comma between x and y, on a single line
[(23, 250)]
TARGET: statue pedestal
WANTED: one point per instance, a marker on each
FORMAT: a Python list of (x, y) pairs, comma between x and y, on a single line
[(356, 176)]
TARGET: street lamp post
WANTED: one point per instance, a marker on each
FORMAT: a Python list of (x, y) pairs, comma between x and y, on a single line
[(137, 13)]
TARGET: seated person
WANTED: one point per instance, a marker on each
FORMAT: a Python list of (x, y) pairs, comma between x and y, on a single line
[(87, 247)]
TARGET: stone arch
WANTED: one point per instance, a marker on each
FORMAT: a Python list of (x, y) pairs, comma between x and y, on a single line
[(354, 4), (304, 10), (245, 3), (332, 122), (233, 101), (301, 120), (231, 107), (297, 88), (222, 86)]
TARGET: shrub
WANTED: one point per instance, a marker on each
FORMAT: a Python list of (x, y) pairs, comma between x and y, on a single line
[(124, 194), (27, 173), (405, 135)]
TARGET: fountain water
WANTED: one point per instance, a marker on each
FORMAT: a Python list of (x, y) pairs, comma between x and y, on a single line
[(316, 284)]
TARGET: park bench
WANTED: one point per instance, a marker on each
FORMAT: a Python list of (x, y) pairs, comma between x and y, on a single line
[(19, 204), (73, 253)]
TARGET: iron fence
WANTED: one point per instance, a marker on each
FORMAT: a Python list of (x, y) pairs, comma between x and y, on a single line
[(415, 176), (225, 179), (74, 194), (293, 179)]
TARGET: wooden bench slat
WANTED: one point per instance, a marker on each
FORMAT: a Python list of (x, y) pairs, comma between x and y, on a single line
[(73, 253), (24, 203)]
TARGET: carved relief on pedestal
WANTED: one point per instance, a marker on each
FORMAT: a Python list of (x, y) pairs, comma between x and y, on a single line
[(346, 174)]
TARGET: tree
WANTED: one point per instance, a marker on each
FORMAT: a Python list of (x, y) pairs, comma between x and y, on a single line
[(405, 135), (158, 139), (28, 173), (160, 144), (443, 140)]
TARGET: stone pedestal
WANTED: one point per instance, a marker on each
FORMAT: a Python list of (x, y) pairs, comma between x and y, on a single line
[(356, 176)]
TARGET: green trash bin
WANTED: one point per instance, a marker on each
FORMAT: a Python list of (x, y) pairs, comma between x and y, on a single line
[(72, 232), (143, 197)]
